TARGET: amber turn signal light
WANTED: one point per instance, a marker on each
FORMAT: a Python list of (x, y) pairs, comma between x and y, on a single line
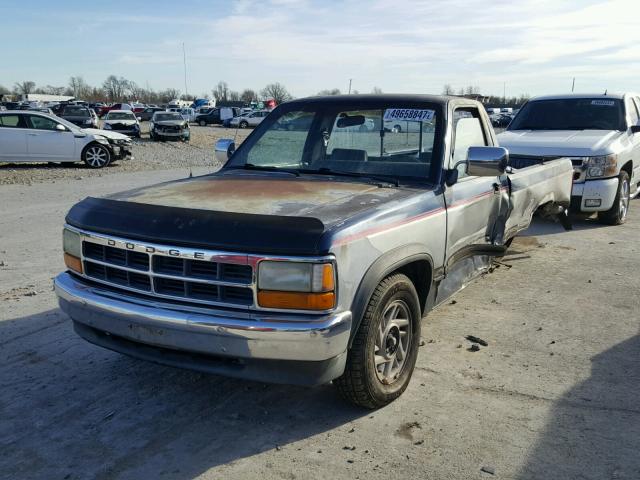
[(73, 263), (296, 300)]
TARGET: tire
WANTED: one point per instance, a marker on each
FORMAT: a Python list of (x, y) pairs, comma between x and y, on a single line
[(96, 156), (203, 123), (396, 129), (243, 124), (390, 325), (617, 214)]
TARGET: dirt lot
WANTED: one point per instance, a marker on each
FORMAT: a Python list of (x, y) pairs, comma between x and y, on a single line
[(553, 396), (148, 155)]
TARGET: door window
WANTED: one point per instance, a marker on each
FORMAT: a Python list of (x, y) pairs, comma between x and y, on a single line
[(41, 123), (632, 111), (468, 133), (11, 121)]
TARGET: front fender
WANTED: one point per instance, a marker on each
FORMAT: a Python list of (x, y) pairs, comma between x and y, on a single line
[(381, 268)]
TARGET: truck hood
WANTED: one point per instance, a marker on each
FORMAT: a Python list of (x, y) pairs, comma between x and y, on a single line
[(240, 211), (105, 133), (561, 143)]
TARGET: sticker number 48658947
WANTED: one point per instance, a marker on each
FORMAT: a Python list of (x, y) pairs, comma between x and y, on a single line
[(414, 114)]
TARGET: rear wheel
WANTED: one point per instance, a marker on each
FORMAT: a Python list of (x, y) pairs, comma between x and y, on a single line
[(385, 348), (96, 156), (617, 214), (203, 123), (243, 124)]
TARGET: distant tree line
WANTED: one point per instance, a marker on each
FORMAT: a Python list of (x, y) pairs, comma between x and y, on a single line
[(119, 89), (489, 100)]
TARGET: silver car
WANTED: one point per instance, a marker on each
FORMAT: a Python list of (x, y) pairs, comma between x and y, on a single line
[(250, 119)]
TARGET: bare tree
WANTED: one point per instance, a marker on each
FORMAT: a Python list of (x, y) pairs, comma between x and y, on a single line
[(234, 96), (51, 90), (115, 88), (25, 87), (4, 90), (221, 92), (136, 92), (248, 96), (277, 91), (448, 89), (376, 90), (169, 94), (471, 90), (332, 91)]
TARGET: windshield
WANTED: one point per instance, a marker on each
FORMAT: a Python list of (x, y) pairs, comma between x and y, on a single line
[(391, 140), (77, 112), (161, 117), (119, 116), (570, 114)]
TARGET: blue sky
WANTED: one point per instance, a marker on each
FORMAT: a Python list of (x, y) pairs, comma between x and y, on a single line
[(535, 47)]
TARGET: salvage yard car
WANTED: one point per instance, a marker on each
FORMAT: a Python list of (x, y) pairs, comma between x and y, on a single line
[(122, 121), (38, 137), (79, 115), (165, 125), (313, 254), (601, 135), (249, 119)]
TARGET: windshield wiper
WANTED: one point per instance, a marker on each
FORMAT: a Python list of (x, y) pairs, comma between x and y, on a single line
[(338, 173), (269, 168)]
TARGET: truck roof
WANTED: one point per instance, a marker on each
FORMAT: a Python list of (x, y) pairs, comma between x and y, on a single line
[(615, 95), (385, 97)]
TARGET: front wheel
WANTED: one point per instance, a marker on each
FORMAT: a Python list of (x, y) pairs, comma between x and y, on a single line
[(243, 125), (617, 214), (203, 123), (96, 156), (385, 348)]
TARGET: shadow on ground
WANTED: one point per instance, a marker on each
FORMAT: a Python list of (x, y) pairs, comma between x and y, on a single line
[(593, 432), (72, 410)]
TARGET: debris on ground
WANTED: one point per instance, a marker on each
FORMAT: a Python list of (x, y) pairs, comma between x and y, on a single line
[(475, 339), (473, 348), (489, 470)]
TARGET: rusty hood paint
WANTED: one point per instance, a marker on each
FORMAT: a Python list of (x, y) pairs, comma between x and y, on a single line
[(267, 194)]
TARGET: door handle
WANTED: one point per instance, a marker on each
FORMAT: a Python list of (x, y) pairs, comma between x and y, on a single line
[(496, 188), (32, 134)]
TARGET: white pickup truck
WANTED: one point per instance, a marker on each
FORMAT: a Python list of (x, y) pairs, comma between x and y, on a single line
[(601, 135)]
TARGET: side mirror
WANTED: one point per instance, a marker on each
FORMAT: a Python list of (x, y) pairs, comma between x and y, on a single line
[(139, 119), (635, 128), (224, 149), (487, 161), (60, 127)]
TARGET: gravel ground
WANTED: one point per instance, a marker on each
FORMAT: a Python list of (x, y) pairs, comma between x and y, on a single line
[(554, 395), (148, 155)]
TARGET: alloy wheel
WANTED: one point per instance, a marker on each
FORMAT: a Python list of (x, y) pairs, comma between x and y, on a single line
[(393, 341), (97, 157)]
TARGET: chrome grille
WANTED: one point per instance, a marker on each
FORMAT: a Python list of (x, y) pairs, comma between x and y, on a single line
[(161, 273)]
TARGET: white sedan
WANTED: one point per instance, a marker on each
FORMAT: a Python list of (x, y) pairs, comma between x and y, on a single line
[(38, 137), (249, 119)]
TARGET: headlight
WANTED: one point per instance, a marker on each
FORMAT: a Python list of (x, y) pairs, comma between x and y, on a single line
[(71, 246), (89, 121), (102, 140), (296, 285), (107, 126), (602, 166)]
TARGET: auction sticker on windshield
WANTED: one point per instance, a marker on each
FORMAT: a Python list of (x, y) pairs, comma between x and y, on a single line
[(608, 103), (414, 114)]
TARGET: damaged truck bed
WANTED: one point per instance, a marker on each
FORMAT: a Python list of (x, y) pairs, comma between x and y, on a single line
[(313, 254)]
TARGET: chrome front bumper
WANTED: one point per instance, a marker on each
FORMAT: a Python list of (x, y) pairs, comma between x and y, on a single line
[(275, 347)]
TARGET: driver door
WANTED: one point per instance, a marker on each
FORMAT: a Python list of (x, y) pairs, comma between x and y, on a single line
[(47, 144), (477, 207)]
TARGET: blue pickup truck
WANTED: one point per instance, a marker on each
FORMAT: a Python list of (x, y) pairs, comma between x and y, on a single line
[(312, 255)]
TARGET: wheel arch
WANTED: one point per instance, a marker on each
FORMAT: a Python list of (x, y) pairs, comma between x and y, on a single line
[(628, 167), (412, 261), (91, 144)]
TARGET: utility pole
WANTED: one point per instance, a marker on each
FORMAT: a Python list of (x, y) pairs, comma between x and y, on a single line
[(184, 60), (504, 93), (350, 85), (573, 85)]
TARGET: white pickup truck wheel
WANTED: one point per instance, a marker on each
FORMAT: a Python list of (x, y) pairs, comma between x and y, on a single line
[(385, 348), (617, 214)]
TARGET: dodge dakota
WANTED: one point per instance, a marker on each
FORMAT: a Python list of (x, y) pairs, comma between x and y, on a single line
[(315, 251), (601, 135)]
